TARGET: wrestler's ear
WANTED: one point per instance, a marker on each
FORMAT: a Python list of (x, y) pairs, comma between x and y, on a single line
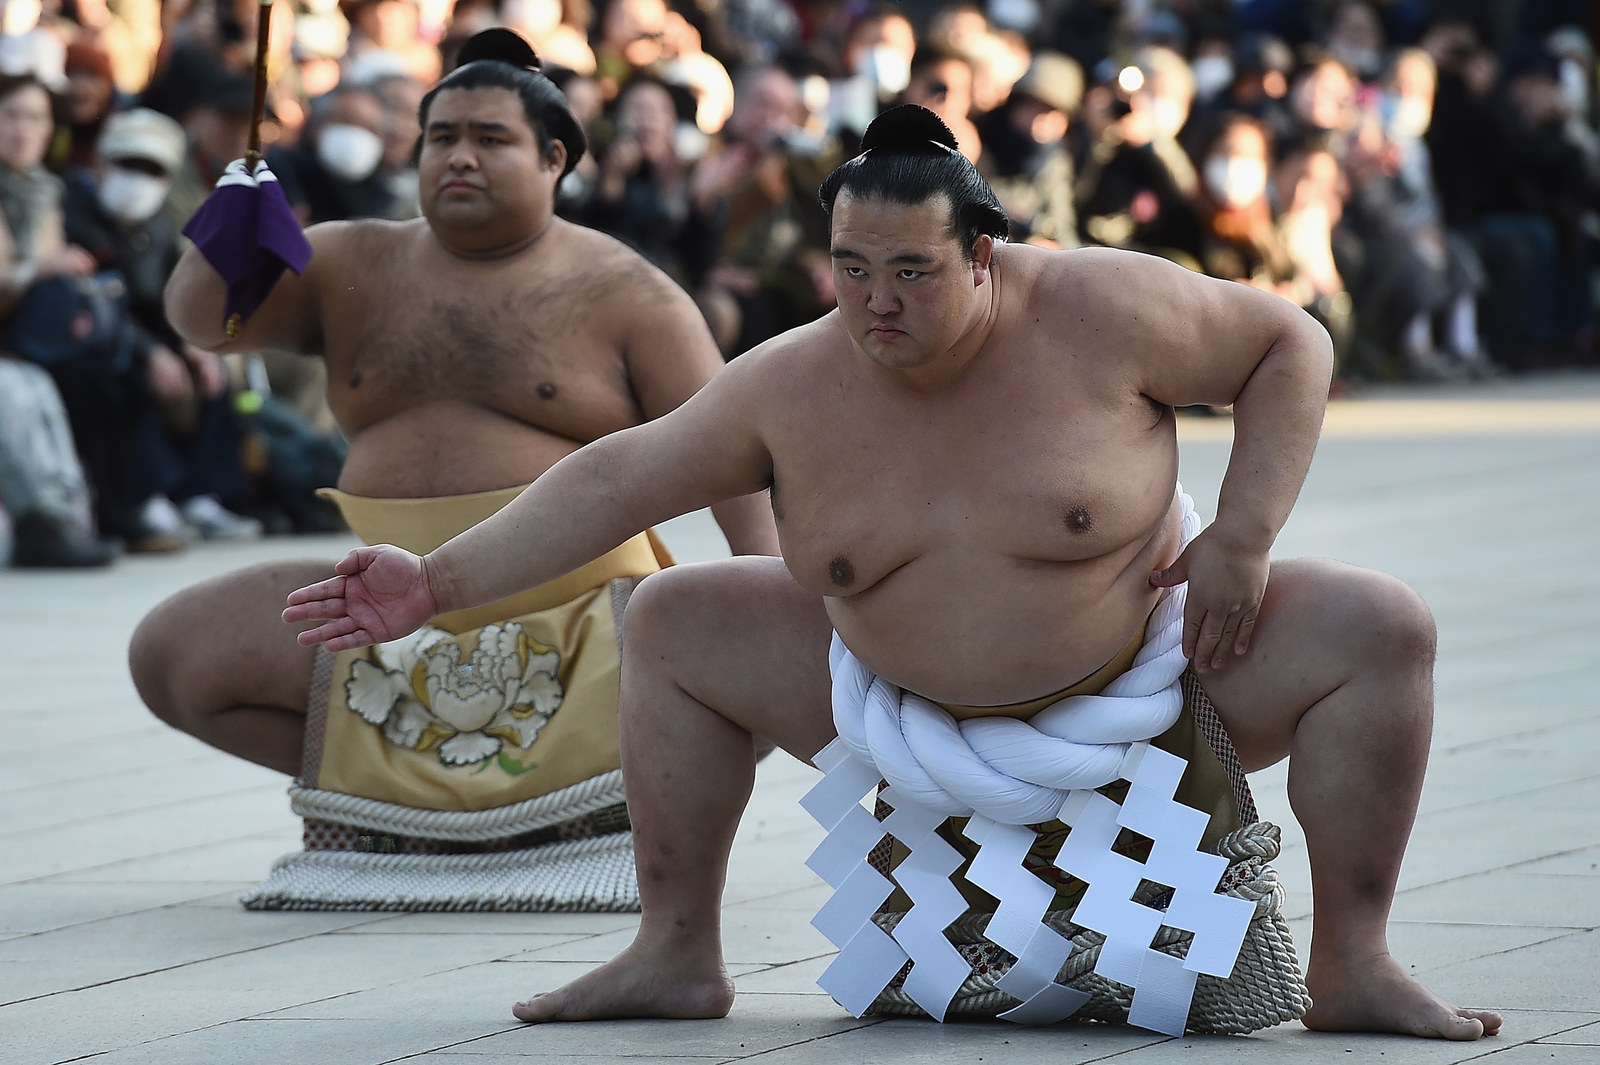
[(982, 258), (556, 157)]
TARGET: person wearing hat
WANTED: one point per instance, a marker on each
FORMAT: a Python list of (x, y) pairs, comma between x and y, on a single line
[(1028, 160), (217, 126), (114, 213), (1258, 86), (334, 171), (88, 100)]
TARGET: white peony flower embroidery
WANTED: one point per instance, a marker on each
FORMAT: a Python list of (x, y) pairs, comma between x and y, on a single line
[(423, 696)]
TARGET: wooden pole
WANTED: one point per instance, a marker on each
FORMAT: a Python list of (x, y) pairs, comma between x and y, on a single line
[(258, 102)]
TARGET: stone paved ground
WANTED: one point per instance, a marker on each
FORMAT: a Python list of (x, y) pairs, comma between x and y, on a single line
[(123, 846)]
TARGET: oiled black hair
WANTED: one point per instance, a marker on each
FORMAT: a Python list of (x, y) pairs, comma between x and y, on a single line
[(908, 155), (499, 58)]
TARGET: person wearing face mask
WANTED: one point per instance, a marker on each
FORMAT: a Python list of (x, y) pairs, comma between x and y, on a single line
[(1240, 242), (59, 310), (1406, 110), (191, 452), (875, 53), (334, 173), (1355, 37)]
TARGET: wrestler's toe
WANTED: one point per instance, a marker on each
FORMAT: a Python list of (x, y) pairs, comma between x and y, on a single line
[(538, 1009)]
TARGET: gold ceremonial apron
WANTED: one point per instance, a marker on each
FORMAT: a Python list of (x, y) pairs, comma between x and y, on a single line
[(482, 707)]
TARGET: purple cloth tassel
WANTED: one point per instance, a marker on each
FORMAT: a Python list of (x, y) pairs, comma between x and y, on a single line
[(249, 234)]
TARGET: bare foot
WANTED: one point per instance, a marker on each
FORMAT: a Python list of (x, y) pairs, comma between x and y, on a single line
[(636, 983), (1377, 995)]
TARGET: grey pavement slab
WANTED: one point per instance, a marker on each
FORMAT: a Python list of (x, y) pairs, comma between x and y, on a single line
[(124, 845)]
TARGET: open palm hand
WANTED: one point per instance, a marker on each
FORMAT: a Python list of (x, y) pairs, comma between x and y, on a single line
[(378, 594)]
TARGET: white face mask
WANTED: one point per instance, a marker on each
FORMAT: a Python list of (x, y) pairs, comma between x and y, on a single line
[(1409, 117), (131, 196), (1212, 74), (352, 153), (889, 69), (1019, 15), (1575, 88), (1236, 181), (1168, 116)]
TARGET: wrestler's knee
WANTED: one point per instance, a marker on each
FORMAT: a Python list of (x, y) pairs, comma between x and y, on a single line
[(153, 660), (658, 610), (1364, 619), (1400, 629)]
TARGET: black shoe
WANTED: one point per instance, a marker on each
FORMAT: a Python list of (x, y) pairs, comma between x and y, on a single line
[(43, 542)]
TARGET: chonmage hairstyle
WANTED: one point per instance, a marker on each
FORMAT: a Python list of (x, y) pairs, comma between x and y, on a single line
[(908, 155), (499, 58)]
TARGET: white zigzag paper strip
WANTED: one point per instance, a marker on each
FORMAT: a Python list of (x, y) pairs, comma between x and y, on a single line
[(1018, 924), (1008, 774)]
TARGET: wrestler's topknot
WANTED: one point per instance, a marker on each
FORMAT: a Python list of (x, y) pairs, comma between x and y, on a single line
[(910, 156), (499, 43), (908, 128)]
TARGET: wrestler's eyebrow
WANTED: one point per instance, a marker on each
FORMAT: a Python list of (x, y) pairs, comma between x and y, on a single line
[(443, 125), (906, 259)]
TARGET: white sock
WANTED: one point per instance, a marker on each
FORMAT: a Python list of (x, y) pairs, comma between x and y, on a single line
[(1464, 327), (1419, 335)]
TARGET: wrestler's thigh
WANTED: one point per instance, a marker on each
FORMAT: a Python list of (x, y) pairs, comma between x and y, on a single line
[(223, 643), (740, 636), (1322, 624)]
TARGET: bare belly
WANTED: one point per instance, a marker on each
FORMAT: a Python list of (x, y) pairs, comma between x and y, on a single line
[(988, 630), (447, 449)]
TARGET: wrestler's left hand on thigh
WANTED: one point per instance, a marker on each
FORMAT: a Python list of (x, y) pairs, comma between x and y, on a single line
[(1227, 581)]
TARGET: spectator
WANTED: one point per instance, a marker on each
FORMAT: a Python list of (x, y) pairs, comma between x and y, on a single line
[(388, 31), (633, 35), (1355, 37), (1308, 190), (556, 42), (588, 107), (402, 99), (762, 182), (128, 32), (90, 97), (941, 81), (333, 173), (1506, 173), (42, 486), (1168, 86), (644, 197), (58, 313), (191, 458), (1409, 83), (1129, 194), (221, 47), (1240, 242), (873, 65), (1325, 97), (217, 126), (1258, 86), (1027, 159)]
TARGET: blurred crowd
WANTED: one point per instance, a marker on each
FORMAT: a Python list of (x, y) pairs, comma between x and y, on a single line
[(1420, 175)]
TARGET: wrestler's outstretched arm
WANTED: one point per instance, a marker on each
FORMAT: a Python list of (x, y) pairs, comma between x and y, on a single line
[(705, 451)]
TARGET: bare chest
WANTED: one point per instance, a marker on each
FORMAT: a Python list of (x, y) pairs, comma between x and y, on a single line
[(1031, 477), (518, 345)]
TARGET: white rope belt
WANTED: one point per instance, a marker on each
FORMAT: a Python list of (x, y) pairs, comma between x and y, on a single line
[(1006, 774)]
